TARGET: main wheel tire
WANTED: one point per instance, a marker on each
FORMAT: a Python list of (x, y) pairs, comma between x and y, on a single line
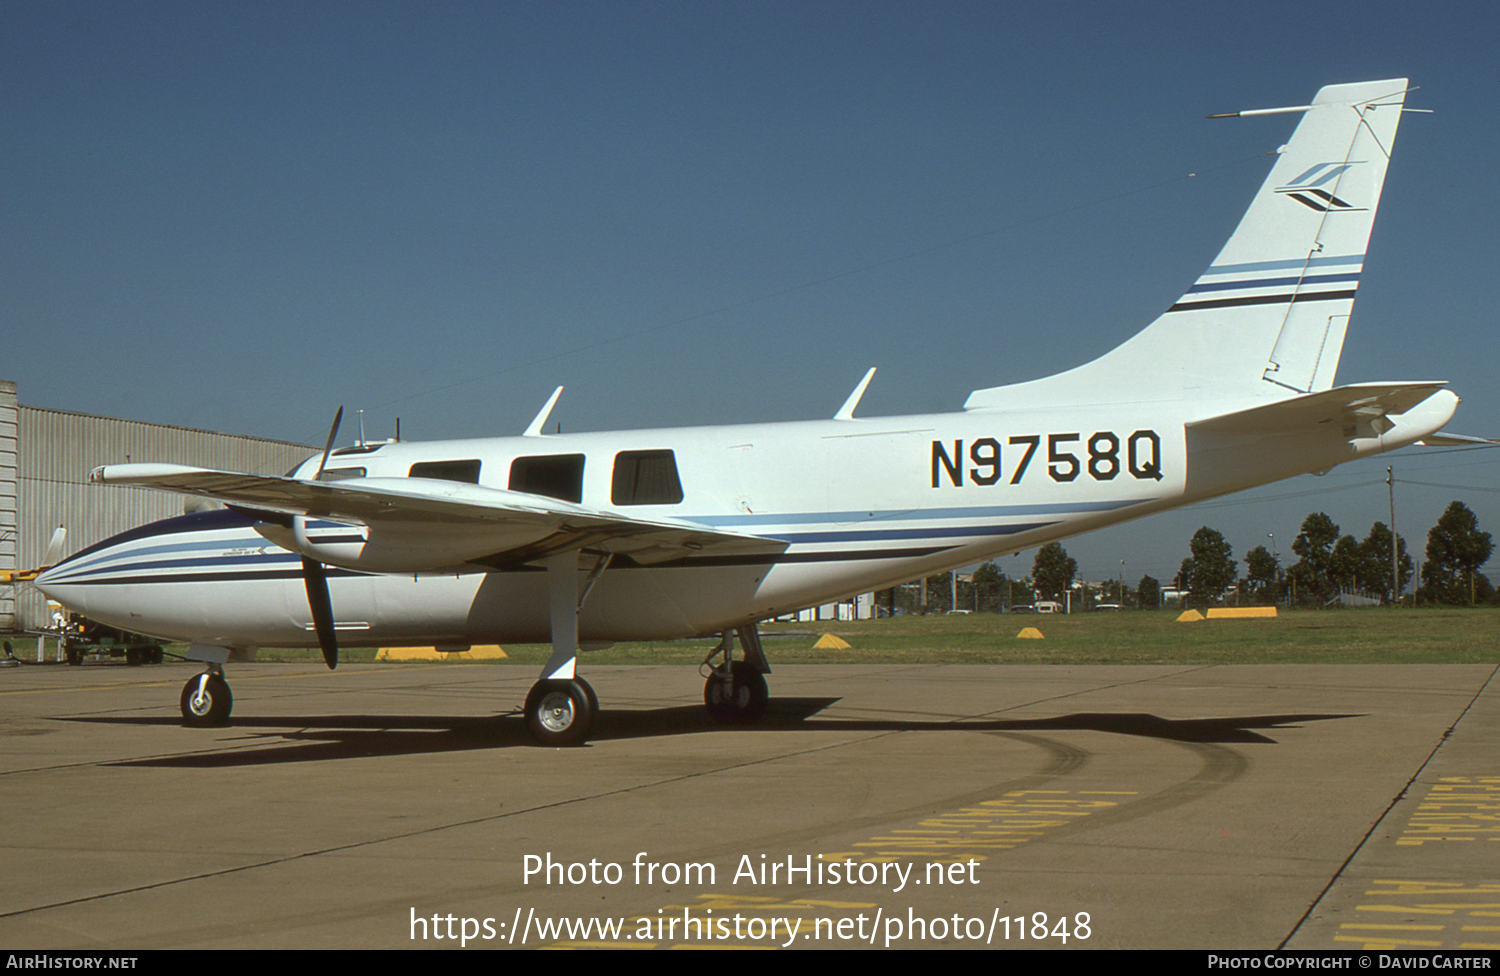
[(748, 700), (560, 713), (210, 708), (593, 700)]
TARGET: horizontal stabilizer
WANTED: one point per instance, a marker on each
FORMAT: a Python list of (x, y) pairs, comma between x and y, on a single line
[(1457, 440), (1367, 403)]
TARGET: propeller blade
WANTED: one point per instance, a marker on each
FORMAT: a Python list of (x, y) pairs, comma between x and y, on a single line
[(322, 609), (55, 547), (328, 448)]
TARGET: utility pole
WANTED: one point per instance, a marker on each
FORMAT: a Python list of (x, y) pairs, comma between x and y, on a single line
[(1275, 570), (1390, 483)]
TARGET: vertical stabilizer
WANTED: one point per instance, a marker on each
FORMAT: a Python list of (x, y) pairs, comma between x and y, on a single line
[(1267, 318)]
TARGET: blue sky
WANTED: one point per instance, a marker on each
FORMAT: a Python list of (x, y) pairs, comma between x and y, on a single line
[(239, 216)]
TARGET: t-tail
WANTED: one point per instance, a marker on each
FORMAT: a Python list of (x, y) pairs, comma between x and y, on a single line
[(1267, 319)]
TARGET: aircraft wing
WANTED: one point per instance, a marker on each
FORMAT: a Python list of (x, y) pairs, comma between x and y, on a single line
[(1357, 406), (412, 524)]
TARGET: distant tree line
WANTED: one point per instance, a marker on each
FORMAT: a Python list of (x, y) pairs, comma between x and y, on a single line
[(1328, 564)]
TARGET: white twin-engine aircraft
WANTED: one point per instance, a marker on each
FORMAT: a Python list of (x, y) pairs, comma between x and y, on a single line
[(591, 538)]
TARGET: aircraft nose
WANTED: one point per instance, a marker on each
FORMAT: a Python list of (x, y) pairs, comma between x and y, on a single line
[(55, 586)]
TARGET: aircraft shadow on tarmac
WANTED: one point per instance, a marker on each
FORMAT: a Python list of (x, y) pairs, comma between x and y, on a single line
[(255, 741)]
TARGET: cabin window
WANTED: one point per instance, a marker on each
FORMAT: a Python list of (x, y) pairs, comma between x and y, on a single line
[(645, 478), (465, 471), (553, 475), (341, 474)]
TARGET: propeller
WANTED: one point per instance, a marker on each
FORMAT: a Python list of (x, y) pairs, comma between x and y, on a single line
[(316, 577), (52, 557), (55, 548), (328, 447)]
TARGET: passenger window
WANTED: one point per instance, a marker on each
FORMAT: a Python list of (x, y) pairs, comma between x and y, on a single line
[(465, 471), (341, 474), (553, 475), (645, 478)]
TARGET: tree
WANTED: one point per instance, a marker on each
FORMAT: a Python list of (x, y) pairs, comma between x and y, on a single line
[(1344, 563), (1210, 568), (1375, 563), (1264, 573), (1314, 547), (990, 584), (1455, 551), (1148, 593), (939, 593), (1053, 570)]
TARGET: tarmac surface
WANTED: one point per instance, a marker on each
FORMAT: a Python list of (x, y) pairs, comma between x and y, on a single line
[(401, 806)]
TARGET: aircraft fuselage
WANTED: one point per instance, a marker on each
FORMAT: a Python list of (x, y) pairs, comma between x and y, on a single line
[(859, 504)]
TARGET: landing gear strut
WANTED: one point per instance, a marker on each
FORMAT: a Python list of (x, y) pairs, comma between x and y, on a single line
[(561, 708), (736, 691)]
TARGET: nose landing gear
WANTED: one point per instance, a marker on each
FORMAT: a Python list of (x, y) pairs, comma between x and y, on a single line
[(206, 700)]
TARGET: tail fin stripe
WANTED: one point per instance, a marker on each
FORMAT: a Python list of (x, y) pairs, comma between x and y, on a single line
[(1223, 269), (1318, 296), (1271, 282)]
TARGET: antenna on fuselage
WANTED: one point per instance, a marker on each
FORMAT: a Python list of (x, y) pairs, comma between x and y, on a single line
[(846, 412), (535, 430)]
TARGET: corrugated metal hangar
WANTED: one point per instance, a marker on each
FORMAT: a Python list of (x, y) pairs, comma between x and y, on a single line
[(45, 460)]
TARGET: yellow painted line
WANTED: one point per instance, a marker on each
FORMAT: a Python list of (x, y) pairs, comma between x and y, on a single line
[(1017, 818), (738, 947), (955, 837), (1456, 901), (602, 945), (1457, 809), (1438, 888)]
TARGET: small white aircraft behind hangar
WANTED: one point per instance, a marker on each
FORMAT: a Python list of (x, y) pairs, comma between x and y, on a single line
[(681, 532)]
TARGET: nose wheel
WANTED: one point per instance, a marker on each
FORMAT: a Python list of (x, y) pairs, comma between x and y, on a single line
[(206, 701)]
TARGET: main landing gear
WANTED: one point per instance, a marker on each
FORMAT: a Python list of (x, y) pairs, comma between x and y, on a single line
[(561, 712), (561, 708), (736, 692)]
